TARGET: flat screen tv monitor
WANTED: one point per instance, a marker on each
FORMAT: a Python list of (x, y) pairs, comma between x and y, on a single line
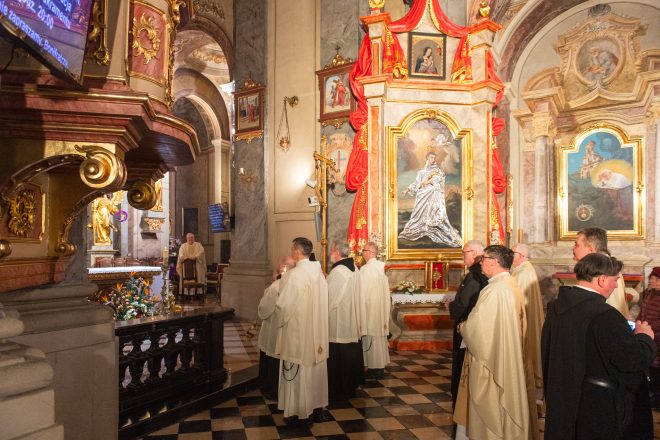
[(54, 31)]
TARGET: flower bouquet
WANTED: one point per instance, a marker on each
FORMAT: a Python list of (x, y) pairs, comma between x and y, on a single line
[(129, 300), (408, 288)]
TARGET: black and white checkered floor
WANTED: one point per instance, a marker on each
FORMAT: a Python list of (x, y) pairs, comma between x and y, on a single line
[(412, 401)]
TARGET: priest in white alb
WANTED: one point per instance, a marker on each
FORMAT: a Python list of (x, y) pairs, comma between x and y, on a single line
[(376, 293), (525, 275), (345, 305), (269, 364), (302, 340), (192, 250), (492, 399)]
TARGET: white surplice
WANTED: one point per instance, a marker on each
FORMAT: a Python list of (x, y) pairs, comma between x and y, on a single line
[(375, 321), (266, 312), (302, 340), (344, 305)]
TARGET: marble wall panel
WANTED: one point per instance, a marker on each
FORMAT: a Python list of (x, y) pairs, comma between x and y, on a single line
[(249, 238)]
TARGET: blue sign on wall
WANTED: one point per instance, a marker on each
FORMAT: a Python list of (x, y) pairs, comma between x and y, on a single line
[(217, 217)]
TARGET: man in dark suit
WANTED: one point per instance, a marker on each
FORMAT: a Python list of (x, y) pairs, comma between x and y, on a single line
[(593, 363), (459, 309)]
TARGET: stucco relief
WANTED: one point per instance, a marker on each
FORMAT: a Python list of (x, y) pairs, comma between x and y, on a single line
[(600, 53)]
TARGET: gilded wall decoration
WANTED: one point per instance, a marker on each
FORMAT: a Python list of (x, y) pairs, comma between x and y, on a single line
[(97, 48), (148, 56), (158, 187), (601, 183), (146, 40), (23, 214)]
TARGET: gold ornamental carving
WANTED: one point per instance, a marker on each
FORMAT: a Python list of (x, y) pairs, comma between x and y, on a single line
[(142, 195), (101, 168), (98, 33), (22, 213), (103, 212), (145, 26), (484, 9), (338, 60), (5, 248), (158, 187), (154, 224), (376, 4), (335, 122), (173, 23)]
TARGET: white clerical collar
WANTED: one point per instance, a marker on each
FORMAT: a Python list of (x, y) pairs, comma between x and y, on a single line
[(499, 275)]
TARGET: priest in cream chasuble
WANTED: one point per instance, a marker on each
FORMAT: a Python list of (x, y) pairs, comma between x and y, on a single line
[(302, 340), (192, 250), (492, 399), (525, 275)]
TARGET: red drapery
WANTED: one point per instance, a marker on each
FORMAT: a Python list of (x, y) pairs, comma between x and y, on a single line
[(497, 170), (357, 168)]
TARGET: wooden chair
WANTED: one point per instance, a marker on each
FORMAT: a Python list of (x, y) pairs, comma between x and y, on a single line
[(189, 279)]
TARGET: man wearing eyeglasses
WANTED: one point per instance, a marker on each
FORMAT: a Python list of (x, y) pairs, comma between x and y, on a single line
[(593, 363), (459, 309), (376, 296), (492, 399), (525, 275)]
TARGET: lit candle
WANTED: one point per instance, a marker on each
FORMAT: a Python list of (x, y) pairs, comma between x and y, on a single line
[(166, 255)]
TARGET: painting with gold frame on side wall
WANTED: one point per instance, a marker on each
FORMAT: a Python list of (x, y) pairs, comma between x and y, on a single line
[(428, 177), (601, 183), (249, 111)]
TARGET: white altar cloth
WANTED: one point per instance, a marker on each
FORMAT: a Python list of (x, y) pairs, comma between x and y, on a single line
[(422, 298)]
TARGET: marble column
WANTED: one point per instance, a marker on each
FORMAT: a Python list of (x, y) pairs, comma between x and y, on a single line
[(78, 340), (249, 272), (539, 230)]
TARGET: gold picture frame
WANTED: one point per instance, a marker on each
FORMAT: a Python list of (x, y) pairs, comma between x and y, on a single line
[(600, 177), (458, 203), (249, 111)]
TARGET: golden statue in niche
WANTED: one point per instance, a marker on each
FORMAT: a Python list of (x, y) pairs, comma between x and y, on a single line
[(158, 187), (103, 212)]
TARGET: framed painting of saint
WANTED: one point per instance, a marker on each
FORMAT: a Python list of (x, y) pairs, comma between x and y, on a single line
[(337, 101), (427, 180), (427, 55), (601, 183), (249, 111)]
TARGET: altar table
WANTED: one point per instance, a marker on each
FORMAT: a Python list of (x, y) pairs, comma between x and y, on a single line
[(421, 321)]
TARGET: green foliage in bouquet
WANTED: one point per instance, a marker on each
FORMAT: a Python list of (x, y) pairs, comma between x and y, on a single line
[(129, 300), (408, 287)]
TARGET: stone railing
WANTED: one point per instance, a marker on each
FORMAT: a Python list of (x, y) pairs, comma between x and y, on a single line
[(167, 362)]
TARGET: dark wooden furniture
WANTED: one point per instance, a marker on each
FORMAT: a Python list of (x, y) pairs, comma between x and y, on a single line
[(169, 367), (189, 279)]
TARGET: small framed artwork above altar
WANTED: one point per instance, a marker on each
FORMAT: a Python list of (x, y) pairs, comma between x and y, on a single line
[(601, 183), (337, 101), (429, 181), (427, 55)]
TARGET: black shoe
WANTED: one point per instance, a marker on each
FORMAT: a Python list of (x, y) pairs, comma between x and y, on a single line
[(291, 421), (319, 416)]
